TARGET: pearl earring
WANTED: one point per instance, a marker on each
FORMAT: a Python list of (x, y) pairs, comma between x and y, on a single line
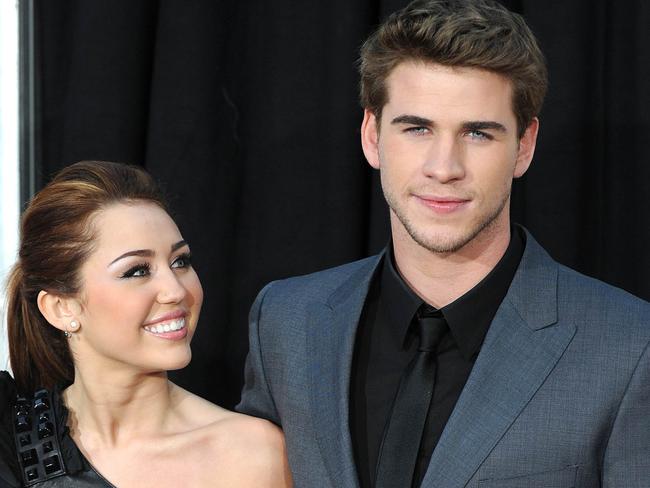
[(74, 325)]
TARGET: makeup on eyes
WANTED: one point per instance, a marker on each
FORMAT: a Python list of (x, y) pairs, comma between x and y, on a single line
[(133, 270), (144, 268), (186, 256)]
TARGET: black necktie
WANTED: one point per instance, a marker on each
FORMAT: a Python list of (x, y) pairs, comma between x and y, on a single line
[(401, 443)]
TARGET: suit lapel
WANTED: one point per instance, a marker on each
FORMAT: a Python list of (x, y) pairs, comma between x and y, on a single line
[(330, 345), (524, 343)]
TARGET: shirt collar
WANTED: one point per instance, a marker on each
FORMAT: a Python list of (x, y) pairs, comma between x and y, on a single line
[(399, 301), (470, 315)]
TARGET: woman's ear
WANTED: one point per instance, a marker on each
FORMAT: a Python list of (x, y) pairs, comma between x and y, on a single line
[(59, 311)]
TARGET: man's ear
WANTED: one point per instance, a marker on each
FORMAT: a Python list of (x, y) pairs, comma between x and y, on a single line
[(58, 311), (526, 148), (370, 138)]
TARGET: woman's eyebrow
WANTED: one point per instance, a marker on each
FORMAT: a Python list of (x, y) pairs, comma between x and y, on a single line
[(138, 252), (179, 244), (147, 252)]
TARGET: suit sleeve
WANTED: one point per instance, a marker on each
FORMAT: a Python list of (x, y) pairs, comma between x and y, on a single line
[(627, 456), (256, 398)]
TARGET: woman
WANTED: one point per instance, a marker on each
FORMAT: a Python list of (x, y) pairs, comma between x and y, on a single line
[(101, 303)]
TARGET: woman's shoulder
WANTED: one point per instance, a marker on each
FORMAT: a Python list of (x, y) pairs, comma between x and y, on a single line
[(246, 449), (7, 387), (244, 432), (34, 446), (9, 471), (255, 450), (222, 425)]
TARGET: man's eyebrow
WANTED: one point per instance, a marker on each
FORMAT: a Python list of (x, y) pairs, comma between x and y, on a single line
[(412, 120), (138, 252), (484, 125)]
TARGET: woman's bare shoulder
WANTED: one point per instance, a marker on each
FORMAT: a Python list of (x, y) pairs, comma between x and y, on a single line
[(253, 451), (191, 406), (241, 450), (246, 431)]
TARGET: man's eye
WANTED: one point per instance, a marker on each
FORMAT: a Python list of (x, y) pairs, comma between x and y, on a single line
[(479, 135), (416, 130), (182, 261), (137, 271)]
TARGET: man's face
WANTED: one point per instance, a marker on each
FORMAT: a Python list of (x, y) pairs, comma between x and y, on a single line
[(447, 151)]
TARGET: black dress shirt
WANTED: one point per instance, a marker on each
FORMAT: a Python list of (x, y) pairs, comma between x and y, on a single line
[(386, 344)]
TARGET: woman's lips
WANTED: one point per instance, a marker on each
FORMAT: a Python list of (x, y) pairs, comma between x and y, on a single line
[(169, 316), (172, 325)]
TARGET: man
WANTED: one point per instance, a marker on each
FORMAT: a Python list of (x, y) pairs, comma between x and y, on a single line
[(463, 355)]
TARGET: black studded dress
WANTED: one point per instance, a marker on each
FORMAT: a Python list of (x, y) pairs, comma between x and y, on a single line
[(36, 449)]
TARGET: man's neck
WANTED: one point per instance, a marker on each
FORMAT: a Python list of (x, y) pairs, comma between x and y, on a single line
[(441, 278)]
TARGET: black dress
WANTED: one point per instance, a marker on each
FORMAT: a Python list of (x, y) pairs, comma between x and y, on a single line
[(36, 449)]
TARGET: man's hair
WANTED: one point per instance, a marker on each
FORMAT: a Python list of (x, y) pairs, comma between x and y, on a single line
[(458, 33)]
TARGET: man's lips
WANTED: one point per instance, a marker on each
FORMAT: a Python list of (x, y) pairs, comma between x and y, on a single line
[(442, 204)]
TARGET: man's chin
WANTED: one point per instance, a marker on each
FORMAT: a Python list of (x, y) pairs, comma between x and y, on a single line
[(437, 238), (443, 243), (450, 238)]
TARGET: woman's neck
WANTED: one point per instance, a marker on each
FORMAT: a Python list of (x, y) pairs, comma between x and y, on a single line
[(113, 409)]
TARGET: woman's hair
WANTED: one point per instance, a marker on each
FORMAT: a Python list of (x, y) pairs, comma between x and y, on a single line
[(56, 237)]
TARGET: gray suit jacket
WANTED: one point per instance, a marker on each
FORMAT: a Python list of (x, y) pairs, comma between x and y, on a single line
[(559, 395)]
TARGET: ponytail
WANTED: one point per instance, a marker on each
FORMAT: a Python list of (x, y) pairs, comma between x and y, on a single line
[(38, 352)]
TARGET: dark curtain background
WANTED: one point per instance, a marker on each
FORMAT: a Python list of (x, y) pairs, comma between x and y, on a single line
[(247, 111)]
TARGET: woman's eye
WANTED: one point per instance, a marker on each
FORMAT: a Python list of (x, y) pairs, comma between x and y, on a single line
[(137, 271), (182, 261)]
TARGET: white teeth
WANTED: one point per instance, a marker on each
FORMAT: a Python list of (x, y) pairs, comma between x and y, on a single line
[(177, 324)]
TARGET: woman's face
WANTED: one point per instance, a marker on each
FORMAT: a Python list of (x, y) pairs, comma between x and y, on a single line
[(140, 297)]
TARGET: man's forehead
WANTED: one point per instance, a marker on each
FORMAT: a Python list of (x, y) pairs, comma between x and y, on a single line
[(429, 75), (423, 87)]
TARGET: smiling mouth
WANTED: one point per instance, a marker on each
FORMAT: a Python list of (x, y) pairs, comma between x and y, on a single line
[(171, 326)]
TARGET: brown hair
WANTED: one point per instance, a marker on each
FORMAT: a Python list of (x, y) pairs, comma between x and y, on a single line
[(56, 238), (465, 33)]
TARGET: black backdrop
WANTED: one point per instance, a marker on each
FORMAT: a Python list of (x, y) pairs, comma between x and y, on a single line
[(248, 112)]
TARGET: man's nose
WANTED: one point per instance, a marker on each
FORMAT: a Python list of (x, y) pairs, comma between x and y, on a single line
[(444, 159)]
